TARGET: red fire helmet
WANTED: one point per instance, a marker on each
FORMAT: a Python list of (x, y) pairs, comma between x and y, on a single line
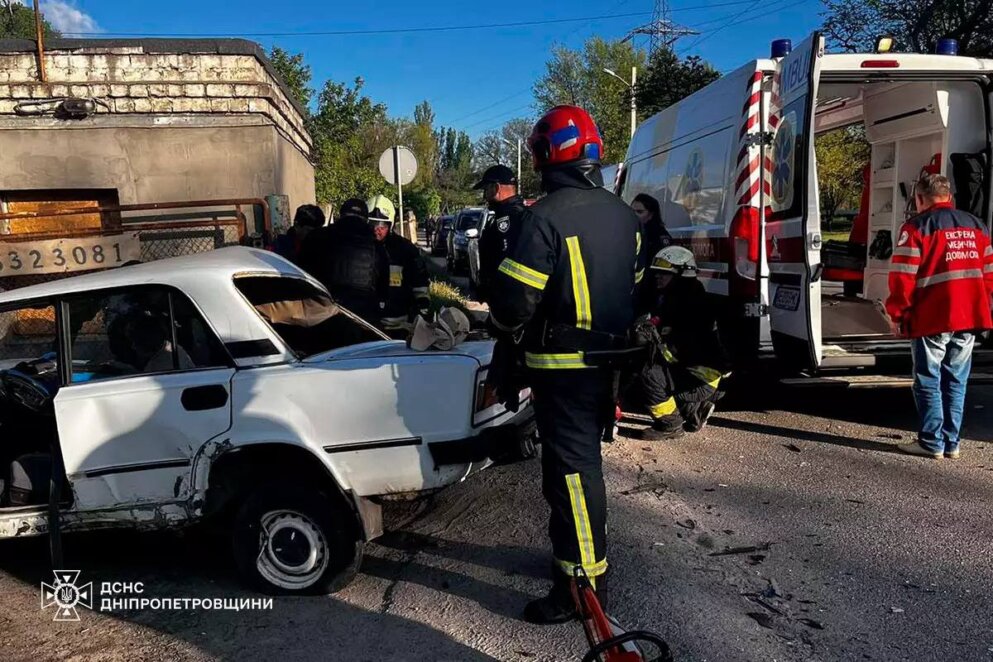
[(566, 134)]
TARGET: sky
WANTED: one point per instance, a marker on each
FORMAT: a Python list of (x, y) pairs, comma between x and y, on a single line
[(475, 79)]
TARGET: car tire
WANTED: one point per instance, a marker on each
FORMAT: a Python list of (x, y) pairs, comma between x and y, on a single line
[(313, 545)]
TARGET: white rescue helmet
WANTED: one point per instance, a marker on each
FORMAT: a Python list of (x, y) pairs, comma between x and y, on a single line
[(675, 260)]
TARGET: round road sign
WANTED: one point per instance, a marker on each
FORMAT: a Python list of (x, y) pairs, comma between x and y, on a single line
[(406, 161)]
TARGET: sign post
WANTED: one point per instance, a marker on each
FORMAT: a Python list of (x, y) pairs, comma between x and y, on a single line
[(398, 166)]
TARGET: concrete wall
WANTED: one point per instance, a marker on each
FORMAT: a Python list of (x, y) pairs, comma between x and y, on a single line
[(213, 122)]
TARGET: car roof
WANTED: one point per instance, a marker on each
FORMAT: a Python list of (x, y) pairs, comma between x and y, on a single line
[(187, 272), (206, 278)]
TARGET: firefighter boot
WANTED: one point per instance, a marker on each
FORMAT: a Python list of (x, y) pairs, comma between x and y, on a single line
[(665, 428), (558, 606), (698, 415)]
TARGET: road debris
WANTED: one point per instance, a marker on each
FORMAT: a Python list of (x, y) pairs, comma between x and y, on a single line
[(896, 610), (748, 549), (687, 524), (793, 447), (765, 620), (657, 488)]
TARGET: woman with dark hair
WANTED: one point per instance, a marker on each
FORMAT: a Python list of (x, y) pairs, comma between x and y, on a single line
[(655, 236)]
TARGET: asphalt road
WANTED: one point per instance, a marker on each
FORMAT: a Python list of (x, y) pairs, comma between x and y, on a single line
[(863, 553)]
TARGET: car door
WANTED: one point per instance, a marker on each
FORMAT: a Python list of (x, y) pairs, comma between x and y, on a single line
[(792, 221), (146, 385)]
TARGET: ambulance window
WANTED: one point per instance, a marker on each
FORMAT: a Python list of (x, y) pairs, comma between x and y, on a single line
[(695, 183), (788, 162)]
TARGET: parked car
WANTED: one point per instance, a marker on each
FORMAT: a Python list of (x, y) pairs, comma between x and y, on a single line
[(473, 250), (467, 224), (228, 387), (439, 243)]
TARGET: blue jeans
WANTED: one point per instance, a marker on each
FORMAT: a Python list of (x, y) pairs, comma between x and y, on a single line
[(941, 370)]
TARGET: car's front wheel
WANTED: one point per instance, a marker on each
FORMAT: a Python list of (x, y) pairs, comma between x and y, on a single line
[(296, 540)]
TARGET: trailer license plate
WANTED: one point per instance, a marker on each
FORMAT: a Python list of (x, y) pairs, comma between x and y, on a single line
[(787, 298), (72, 254)]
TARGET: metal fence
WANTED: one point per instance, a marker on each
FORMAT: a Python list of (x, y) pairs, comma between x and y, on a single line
[(163, 230)]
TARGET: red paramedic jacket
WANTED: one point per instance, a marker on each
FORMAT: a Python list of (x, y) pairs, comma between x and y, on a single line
[(941, 276)]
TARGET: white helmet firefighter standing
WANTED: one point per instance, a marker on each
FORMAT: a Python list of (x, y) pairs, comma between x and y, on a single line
[(681, 379)]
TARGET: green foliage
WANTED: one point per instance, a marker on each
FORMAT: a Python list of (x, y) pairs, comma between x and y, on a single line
[(853, 25), (295, 74), (578, 78), (668, 79), (425, 201), (17, 22), (446, 295), (348, 130), (841, 156)]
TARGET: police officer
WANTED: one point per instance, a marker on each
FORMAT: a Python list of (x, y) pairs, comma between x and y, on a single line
[(407, 294), (566, 290), (344, 256), (499, 187), (686, 364)]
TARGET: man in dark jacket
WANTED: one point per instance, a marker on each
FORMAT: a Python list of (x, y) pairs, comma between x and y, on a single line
[(686, 363), (307, 219), (499, 187), (407, 293), (566, 289), (345, 258)]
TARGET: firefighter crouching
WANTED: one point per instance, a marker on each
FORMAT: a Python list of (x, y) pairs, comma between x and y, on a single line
[(565, 292), (686, 362)]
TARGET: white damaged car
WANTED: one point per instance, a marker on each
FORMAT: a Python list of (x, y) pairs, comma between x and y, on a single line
[(228, 387)]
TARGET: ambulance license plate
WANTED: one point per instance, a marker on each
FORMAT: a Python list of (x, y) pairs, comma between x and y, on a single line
[(787, 298)]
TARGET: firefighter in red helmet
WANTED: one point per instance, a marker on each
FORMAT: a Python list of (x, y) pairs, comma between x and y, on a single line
[(565, 294)]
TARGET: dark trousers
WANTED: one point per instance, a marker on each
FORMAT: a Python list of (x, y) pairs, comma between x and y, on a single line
[(571, 418), (673, 391)]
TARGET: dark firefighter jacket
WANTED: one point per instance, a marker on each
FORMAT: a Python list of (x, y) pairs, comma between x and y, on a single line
[(570, 277), (687, 324), (408, 277), (345, 258)]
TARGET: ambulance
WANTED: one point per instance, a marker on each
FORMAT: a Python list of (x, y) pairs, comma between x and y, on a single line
[(734, 169)]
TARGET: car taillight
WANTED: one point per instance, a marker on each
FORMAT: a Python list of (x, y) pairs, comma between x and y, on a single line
[(486, 396), (745, 237)]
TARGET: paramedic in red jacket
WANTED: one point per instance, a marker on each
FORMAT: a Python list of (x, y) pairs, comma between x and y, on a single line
[(941, 281)]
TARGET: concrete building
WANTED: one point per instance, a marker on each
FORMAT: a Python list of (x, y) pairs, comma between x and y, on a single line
[(169, 120)]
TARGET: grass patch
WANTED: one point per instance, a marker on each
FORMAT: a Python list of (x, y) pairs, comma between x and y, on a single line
[(444, 294)]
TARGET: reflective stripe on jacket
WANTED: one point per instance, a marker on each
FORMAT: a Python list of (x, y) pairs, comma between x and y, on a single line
[(941, 274)]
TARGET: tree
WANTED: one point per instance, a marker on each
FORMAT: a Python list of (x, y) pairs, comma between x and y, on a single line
[(501, 147), (578, 78), (294, 73), (853, 25), (668, 79), (347, 129), (17, 22), (841, 155)]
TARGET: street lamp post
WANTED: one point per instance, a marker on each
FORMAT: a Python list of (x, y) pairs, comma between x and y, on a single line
[(518, 160), (634, 101)]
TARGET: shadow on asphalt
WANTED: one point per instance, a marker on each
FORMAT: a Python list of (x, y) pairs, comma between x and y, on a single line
[(803, 435), (198, 566)]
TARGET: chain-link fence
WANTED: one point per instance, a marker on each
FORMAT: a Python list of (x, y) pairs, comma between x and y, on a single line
[(146, 232)]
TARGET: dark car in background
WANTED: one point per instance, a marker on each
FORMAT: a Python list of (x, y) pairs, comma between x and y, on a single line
[(468, 223), (439, 242)]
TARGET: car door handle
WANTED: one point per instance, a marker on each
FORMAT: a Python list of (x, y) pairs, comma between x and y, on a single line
[(204, 398)]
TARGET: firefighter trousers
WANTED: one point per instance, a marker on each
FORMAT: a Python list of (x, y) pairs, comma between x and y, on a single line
[(673, 392), (571, 418)]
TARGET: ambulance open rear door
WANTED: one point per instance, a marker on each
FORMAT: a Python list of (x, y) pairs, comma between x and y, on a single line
[(792, 215)]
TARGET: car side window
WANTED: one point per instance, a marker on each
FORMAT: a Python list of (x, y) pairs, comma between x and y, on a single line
[(27, 335), (137, 331)]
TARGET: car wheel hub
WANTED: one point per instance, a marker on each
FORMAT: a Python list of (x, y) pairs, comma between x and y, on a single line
[(293, 552)]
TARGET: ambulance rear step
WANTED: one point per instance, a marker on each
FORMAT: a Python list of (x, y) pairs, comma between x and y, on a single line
[(872, 381)]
